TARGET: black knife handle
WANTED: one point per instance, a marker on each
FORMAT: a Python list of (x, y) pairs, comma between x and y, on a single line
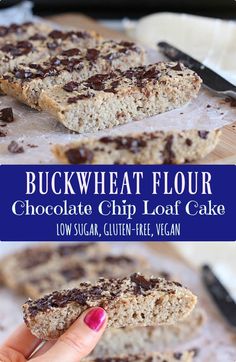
[(220, 295)]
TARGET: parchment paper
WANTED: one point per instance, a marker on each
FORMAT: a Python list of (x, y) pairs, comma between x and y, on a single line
[(216, 342)]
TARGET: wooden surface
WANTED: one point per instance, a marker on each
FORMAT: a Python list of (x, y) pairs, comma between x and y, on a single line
[(224, 153)]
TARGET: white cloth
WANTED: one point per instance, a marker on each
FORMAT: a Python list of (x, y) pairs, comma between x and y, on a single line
[(212, 41)]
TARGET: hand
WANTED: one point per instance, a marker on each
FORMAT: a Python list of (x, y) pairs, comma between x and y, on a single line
[(76, 343)]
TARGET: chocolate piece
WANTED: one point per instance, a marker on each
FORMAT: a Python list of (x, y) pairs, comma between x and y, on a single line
[(188, 142), (37, 36), (71, 52), (169, 153), (14, 147), (92, 55), (71, 86), (20, 48), (178, 67), (203, 134), (65, 250), (79, 155), (73, 273), (6, 115), (128, 143), (32, 259)]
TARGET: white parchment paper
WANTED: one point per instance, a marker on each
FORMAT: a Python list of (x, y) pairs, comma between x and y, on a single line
[(216, 342)]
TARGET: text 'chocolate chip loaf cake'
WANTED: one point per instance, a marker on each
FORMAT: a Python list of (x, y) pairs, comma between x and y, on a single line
[(133, 301), (108, 100), (140, 148)]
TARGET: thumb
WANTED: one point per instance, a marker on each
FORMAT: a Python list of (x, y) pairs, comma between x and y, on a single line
[(80, 339)]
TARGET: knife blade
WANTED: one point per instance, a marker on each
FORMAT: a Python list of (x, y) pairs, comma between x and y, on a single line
[(211, 79), (220, 295)]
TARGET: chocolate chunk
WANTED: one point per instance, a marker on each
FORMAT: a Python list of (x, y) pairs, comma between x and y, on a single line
[(113, 259), (92, 55), (37, 36), (177, 67), (32, 259), (71, 52), (96, 82), (168, 152), (71, 86), (79, 155), (52, 45), (14, 147), (203, 134), (65, 250), (142, 284), (55, 61), (23, 74), (73, 273), (20, 48), (188, 142), (6, 115), (178, 355), (57, 34), (128, 143)]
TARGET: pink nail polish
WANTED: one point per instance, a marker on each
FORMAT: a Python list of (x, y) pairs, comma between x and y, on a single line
[(95, 319)]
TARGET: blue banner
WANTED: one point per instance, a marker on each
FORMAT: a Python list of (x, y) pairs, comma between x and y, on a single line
[(118, 203)]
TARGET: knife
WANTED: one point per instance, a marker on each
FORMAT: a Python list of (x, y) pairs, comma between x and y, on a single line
[(220, 295), (211, 79)]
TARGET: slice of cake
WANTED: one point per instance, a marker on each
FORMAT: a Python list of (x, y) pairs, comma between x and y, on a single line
[(133, 301), (26, 82), (140, 148), (136, 340), (70, 273), (32, 262), (108, 100)]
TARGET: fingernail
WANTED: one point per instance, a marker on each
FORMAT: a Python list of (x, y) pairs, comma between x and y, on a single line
[(95, 319)]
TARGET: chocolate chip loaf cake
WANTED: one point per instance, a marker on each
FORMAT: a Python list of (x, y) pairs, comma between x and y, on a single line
[(149, 357), (136, 340), (17, 32), (108, 100), (32, 262), (133, 301), (20, 53), (26, 82), (140, 148), (70, 273)]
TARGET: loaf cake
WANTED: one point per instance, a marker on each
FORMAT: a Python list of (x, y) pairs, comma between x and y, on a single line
[(69, 274), (133, 301), (17, 32), (35, 261), (155, 338), (20, 53), (140, 148), (149, 357), (26, 82)]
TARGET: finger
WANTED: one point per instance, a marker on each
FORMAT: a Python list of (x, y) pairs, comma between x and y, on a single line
[(43, 349), (80, 339), (22, 341)]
